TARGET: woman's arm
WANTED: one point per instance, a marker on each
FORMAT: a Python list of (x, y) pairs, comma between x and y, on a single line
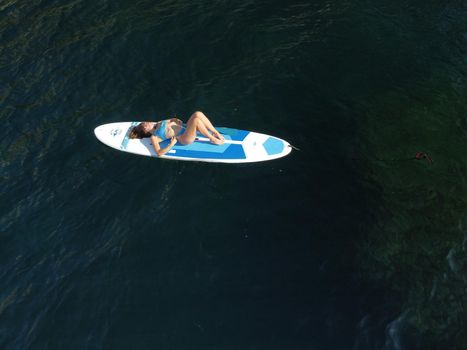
[(161, 151)]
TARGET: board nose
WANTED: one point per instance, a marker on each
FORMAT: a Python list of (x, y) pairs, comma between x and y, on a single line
[(99, 132)]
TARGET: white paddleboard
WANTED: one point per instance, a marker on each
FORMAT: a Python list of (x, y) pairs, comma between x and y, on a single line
[(240, 146)]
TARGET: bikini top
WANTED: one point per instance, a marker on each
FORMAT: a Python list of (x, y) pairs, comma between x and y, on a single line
[(161, 131)]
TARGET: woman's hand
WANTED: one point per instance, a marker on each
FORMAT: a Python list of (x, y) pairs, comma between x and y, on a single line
[(161, 151)]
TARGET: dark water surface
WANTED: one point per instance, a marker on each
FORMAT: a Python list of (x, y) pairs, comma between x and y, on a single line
[(347, 244)]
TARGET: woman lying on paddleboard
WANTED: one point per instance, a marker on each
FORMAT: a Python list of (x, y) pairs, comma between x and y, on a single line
[(174, 130)]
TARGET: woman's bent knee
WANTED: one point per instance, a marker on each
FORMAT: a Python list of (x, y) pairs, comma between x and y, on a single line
[(195, 117), (197, 114), (195, 120)]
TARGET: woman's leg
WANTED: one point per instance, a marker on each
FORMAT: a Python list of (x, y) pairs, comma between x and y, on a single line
[(207, 124), (195, 124), (204, 119)]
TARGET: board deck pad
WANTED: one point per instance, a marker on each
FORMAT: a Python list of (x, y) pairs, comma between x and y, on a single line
[(240, 146)]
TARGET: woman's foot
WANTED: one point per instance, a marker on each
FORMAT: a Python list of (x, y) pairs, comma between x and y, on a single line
[(218, 135), (216, 140)]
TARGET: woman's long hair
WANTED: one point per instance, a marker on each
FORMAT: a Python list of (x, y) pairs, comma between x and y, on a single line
[(138, 132)]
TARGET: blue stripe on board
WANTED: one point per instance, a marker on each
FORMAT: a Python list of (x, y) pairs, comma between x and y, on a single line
[(127, 138), (235, 134), (201, 146), (232, 151)]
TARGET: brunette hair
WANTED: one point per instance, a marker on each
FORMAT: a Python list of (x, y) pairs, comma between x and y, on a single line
[(138, 132)]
